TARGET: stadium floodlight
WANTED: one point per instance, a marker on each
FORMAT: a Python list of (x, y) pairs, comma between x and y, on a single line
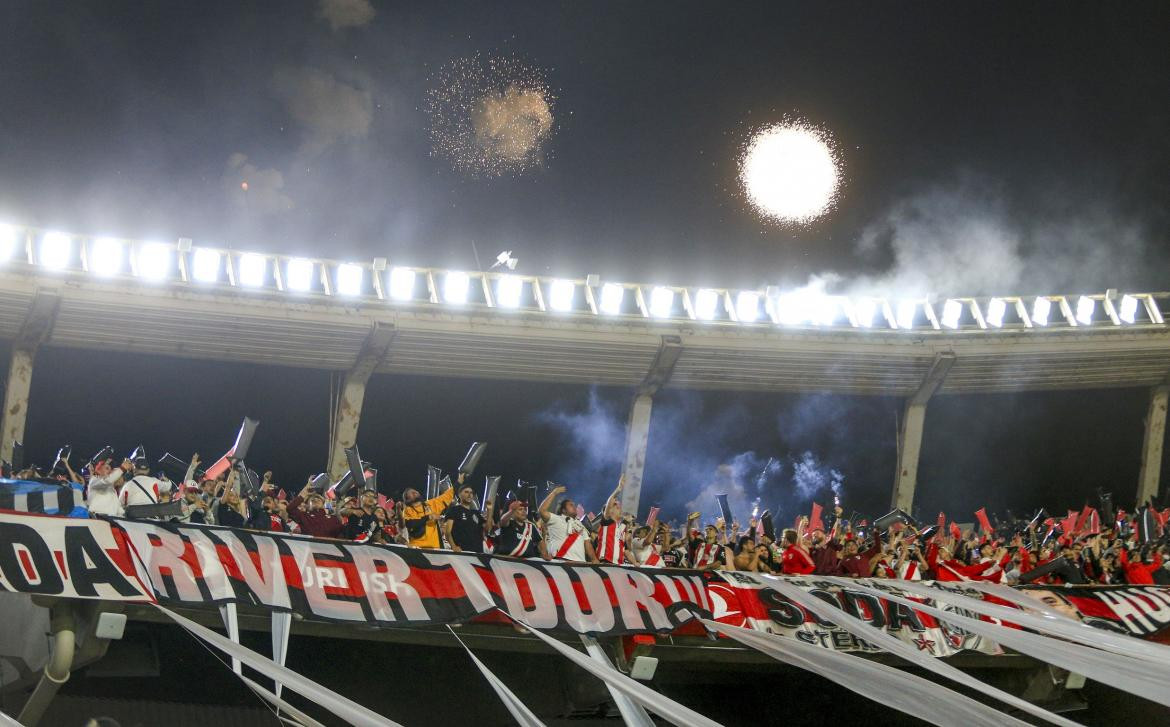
[(791, 309), (154, 260), (1041, 307), (7, 242), (456, 286), (996, 308), (205, 265), (747, 306), (402, 283), (105, 256), (904, 317), (298, 274), (706, 302), (952, 311), (612, 296), (824, 309), (252, 269), (509, 289), (865, 310), (56, 249), (661, 302), (560, 295), (349, 279), (1128, 309), (1085, 308)]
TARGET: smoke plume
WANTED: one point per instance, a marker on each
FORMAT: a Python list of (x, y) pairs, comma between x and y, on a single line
[(254, 190), (968, 238), (342, 14), (697, 452), (327, 109)]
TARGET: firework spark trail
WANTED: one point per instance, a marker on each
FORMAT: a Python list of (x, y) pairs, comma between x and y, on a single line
[(790, 172), (491, 116)]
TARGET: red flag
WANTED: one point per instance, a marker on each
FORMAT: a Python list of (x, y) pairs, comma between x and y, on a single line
[(384, 502), (1093, 523), (942, 521), (956, 531), (984, 523), (1069, 524), (652, 517), (814, 520), (1082, 520)]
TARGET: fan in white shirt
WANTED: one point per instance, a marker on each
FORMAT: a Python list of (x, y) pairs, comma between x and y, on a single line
[(567, 537), (102, 491)]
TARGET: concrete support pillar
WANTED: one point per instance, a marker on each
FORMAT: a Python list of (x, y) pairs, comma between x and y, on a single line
[(911, 430), (348, 414), (16, 391), (1152, 443), (637, 440), (38, 324), (638, 428)]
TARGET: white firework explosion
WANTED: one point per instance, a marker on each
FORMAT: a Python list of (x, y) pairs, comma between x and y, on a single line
[(491, 116), (790, 172)]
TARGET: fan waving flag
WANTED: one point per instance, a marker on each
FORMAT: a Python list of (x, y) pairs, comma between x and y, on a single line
[(814, 519), (984, 523), (66, 498)]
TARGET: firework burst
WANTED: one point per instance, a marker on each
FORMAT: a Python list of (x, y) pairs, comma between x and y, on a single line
[(790, 172), (491, 116)]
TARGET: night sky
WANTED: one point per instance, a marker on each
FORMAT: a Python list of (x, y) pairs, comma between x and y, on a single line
[(1010, 149)]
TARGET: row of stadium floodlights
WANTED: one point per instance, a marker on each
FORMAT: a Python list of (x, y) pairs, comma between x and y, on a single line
[(185, 263)]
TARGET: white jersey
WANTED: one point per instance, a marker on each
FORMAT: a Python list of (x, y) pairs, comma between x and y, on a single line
[(101, 496), (558, 529), (141, 490)]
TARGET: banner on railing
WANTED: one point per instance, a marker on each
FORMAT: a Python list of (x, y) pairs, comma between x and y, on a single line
[(383, 585)]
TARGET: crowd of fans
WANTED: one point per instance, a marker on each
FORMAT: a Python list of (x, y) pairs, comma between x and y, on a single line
[(1087, 546)]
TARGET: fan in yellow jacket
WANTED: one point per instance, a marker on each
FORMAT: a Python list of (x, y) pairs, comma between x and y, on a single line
[(422, 516)]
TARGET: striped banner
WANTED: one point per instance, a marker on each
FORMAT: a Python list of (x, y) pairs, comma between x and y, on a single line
[(43, 498)]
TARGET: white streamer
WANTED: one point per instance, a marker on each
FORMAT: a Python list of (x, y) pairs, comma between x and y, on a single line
[(1156, 655), (883, 684), (280, 704), (647, 697), (896, 646), (519, 711), (346, 709), (1128, 675), (1053, 622)]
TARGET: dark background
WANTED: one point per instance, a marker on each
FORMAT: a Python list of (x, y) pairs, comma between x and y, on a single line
[(987, 148)]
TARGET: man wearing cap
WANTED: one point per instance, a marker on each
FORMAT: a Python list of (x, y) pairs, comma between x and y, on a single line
[(141, 488), (359, 515), (518, 536), (101, 495), (567, 537), (194, 509), (313, 518), (463, 525), (422, 516)]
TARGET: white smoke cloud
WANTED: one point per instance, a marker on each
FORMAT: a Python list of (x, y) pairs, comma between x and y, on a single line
[(342, 14), (968, 238), (512, 125), (328, 109), (253, 189)]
